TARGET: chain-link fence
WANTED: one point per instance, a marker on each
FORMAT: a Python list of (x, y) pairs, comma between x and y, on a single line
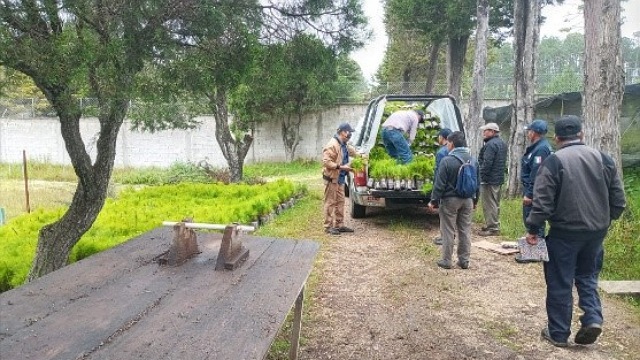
[(496, 87)]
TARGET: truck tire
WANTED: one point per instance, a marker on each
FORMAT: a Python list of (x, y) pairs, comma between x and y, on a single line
[(357, 211)]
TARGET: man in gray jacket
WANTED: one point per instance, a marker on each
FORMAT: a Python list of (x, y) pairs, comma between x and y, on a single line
[(579, 192)]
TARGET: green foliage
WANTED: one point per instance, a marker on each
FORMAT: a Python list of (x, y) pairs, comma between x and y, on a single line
[(622, 248), (423, 166), (136, 211), (357, 164)]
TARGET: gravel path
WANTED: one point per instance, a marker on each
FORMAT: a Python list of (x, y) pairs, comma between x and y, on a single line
[(380, 295)]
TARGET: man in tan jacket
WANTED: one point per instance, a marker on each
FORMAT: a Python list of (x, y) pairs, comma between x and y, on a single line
[(335, 166)]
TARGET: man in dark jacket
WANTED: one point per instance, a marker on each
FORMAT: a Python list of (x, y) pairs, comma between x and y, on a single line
[(579, 192), (533, 157), (455, 211), (493, 160)]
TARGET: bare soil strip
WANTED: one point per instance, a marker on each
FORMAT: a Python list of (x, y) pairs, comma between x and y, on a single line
[(380, 295)]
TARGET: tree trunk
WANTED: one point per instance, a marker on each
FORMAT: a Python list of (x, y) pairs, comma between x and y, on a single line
[(457, 50), (603, 77), (473, 120), (234, 150), (527, 34), (56, 240), (432, 69), (406, 77), (291, 134)]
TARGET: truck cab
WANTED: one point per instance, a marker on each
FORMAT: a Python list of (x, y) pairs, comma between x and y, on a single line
[(444, 113)]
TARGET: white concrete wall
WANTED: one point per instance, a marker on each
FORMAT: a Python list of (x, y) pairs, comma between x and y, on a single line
[(42, 140)]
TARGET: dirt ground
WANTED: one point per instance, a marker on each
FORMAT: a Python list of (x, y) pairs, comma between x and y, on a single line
[(380, 295)]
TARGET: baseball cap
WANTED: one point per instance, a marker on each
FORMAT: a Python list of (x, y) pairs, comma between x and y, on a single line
[(490, 126), (538, 125), (345, 127), (444, 132), (568, 125)]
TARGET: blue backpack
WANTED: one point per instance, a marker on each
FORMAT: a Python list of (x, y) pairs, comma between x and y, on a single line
[(467, 181)]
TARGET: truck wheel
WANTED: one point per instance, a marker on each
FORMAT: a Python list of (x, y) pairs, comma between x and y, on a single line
[(357, 211)]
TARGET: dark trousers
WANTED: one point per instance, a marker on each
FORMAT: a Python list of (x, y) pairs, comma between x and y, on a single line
[(525, 212), (573, 261)]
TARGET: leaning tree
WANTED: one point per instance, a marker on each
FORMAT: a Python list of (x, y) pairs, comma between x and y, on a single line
[(67, 47)]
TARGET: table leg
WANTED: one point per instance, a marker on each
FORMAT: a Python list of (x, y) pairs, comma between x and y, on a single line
[(297, 324)]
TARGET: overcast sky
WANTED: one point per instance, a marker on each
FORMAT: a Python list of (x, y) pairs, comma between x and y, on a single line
[(558, 18)]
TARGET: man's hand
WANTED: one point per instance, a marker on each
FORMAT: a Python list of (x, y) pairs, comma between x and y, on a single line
[(346, 168), (527, 201), (532, 239)]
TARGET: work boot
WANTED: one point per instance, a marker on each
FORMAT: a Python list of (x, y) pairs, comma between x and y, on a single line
[(489, 232), (588, 334), (444, 264), (547, 336)]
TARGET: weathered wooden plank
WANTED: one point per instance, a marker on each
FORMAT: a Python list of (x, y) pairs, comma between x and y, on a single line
[(239, 323), (20, 308), (497, 248), (138, 309), (626, 287)]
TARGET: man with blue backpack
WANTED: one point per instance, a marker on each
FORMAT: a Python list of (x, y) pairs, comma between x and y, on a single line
[(455, 192)]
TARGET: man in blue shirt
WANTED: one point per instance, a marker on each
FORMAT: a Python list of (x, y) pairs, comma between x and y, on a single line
[(530, 163)]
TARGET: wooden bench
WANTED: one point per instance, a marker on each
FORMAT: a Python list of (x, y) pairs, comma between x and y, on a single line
[(121, 304), (624, 287)]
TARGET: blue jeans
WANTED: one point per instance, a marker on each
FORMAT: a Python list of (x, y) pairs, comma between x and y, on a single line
[(396, 145), (573, 261), (525, 212)]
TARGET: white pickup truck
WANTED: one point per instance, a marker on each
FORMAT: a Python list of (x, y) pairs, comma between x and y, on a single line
[(366, 136)]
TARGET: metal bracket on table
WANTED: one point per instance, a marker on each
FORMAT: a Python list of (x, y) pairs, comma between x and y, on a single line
[(232, 253)]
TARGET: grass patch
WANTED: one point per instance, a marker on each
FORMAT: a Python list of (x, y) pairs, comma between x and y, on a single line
[(299, 168), (302, 221), (504, 333)]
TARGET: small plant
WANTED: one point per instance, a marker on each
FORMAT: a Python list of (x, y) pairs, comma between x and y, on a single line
[(357, 164)]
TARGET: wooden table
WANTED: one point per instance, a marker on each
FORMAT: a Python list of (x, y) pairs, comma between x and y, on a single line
[(121, 304)]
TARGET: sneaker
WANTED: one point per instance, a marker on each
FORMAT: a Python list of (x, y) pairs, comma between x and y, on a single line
[(332, 231), (588, 334), (444, 264), (546, 336), (344, 229), (520, 260), (489, 232), (438, 240), (463, 264)]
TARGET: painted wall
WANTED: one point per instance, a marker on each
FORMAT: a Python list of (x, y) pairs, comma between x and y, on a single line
[(42, 140)]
